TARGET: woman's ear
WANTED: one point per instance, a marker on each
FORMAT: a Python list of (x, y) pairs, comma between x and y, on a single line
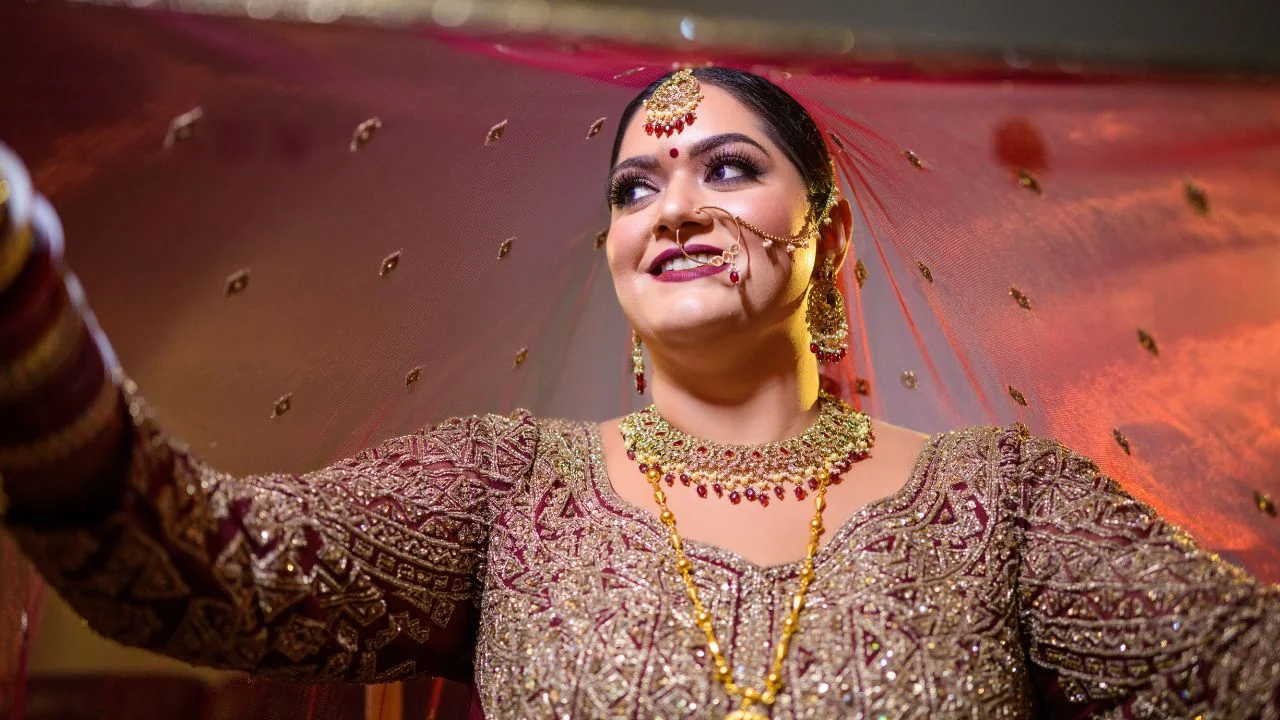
[(834, 236)]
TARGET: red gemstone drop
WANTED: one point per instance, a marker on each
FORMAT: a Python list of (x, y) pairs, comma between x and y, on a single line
[(734, 497), (671, 479), (639, 384), (644, 468), (631, 454), (800, 493), (728, 453), (755, 455), (813, 483), (648, 128), (837, 479), (678, 443), (777, 490), (751, 493), (679, 125), (685, 479), (702, 491), (719, 491), (764, 500), (734, 277), (688, 118)]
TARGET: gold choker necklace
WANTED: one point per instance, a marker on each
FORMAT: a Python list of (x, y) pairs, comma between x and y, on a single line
[(841, 437)]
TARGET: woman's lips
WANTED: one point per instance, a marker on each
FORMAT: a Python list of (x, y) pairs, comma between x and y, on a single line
[(693, 274), (675, 252)]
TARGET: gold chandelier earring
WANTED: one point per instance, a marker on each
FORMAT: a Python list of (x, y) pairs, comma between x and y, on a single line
[(637, 362), (825, 316)]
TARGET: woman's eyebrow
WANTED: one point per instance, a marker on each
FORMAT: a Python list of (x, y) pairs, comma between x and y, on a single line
[(708, 144), (702, 147), (644, 162)]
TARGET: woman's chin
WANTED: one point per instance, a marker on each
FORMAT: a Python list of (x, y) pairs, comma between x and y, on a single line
[(684, 322)]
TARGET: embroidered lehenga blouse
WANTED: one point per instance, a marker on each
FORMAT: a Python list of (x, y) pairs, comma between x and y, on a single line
[(1006, 579)]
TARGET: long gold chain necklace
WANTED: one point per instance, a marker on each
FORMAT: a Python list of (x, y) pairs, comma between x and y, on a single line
[(647, 435)]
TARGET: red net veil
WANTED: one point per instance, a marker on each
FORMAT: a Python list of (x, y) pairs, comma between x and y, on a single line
[(1096, 257)]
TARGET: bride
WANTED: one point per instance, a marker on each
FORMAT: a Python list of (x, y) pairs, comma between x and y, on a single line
[(749, 546)]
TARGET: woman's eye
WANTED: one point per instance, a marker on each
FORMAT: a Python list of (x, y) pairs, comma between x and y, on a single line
[(636, 192), (728, 170), (628, 192)]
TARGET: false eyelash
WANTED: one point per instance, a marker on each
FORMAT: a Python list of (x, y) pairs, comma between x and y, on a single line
[(622, 182), (619, 185), (728, 157)]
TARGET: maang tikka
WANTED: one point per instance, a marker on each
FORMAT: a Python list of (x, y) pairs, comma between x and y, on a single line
[(825, 316), (672, 105)]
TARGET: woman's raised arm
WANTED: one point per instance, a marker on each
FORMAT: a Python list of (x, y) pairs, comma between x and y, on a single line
[(1124, 615), (368, 570)]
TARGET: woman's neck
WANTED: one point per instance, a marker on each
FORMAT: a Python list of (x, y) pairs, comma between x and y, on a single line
[(761, 394)]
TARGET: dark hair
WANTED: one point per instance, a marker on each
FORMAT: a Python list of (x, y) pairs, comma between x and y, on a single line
[(786, 122)]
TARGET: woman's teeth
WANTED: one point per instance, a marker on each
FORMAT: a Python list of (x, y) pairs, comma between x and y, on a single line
[(686, 263)]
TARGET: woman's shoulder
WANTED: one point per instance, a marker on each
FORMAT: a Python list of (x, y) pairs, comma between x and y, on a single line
[(512, 434), (976, 450), (1021, 461)]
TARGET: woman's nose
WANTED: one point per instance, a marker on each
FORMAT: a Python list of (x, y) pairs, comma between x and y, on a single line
[(679, 210)]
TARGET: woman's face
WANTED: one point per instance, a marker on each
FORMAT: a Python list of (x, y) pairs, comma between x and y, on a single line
[(723, 159)]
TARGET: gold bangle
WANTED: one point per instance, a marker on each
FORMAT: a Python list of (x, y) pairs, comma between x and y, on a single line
[(14, 252), (50, 352), (61, 443)]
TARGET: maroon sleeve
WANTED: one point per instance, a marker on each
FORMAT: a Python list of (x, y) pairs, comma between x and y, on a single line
[(1124, 614), (368, 570)]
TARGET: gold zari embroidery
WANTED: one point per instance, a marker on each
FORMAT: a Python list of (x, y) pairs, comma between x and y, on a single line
[(1006, 578)]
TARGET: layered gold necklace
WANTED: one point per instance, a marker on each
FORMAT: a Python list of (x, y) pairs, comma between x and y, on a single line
[(813, 460), (841, 437)]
